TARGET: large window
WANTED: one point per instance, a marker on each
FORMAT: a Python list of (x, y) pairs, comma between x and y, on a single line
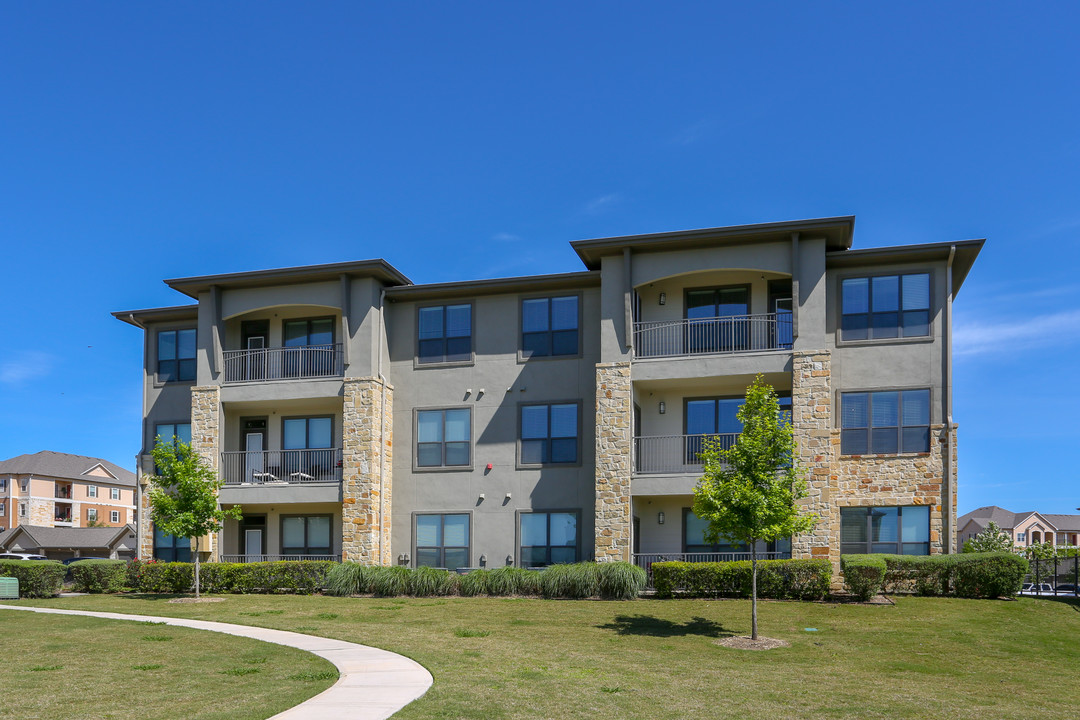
[(307, 433), (176, 355), (549, 434), (443, 438), (442, 541), (694, 541), (173, 432), (717, 417), (549, 326), (169, 548), (307, 443), (305, 535), (885, 423), (548, 538), (445, 334), (885, 306), (893, 530), (717, 319)]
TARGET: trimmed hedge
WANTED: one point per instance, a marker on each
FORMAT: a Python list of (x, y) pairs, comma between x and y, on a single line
[(99, 576), (302, 577), (777, 579), (863, 575), (37, 578), (968, 575)]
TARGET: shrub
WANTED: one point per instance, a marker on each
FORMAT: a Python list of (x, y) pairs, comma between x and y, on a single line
[(620, 580), (863, 575), (990, 575), (37, 578), (474, 583), (391, 581), (777, 579), (99, 576), (973, 575), (349, 578), (292, 576), (428, 582), (576, 581)]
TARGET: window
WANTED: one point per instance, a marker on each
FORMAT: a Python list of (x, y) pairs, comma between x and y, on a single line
[(22, 509), (549, 434), (549, 326), (91, 491), (717, 319), (114, 493), (169, 548), (24, 485), (174, 432), (308, 443), (307, 433), (444, 334), (893, 530), (885, 306), (3, 484), (3, 509), (1021, 537), (443, 438), (91, 514), (717, 417), (315, 334), (176, 355), (885, 423), (114, 516), (305, 535), (442, 541), (548, 538), (694, 541)]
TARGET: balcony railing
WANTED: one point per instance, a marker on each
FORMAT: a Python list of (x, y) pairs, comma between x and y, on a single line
[(288, 467), (674, 454), (274, 558), (713, 336), (646, 560), (283, 363), (63, 492)]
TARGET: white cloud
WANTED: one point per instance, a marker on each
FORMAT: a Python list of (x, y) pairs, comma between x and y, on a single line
[(17, 368), (601, 204), (1016, 334)]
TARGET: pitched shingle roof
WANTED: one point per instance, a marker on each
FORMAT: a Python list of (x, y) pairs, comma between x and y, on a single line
[(1009, 520), (1066, 523), (62, 538), (48, 463)]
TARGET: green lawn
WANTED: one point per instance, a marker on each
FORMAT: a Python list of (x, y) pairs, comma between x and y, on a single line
[(527, 658), (77, 667)]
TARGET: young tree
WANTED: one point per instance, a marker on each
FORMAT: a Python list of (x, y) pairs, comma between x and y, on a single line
[(183, 495), (991, 539), (749, 492)]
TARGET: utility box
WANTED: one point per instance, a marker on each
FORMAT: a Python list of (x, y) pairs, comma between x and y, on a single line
[(9, 588)]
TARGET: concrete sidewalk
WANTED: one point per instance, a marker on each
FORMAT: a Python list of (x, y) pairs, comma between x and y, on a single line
[(373, 684)]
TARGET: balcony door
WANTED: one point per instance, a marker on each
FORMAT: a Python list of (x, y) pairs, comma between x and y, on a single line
[(255, 338), (255, 466), (717, 319)]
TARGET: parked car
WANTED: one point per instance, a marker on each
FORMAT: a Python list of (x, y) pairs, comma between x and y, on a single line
[(77, 559), (1066, 588), (21, 556), (1041, 588)]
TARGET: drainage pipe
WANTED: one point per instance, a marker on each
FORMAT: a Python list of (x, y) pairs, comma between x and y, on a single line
[(947, 464)]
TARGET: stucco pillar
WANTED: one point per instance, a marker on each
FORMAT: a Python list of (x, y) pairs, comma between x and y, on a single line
[(367, 441), (206, 442), (614, 407)]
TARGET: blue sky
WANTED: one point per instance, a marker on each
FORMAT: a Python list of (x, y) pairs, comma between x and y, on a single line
[(469, 140)]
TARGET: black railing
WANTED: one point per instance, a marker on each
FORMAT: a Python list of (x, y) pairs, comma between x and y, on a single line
[(1059, 577), (255, 467), (646, 560)]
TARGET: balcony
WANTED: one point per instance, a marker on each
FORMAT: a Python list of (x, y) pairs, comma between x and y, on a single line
[(674, 454), (281, 467), (284, 363), (63, 492), (713, 336)]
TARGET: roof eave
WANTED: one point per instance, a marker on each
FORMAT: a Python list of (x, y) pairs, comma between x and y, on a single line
[(377, 268)]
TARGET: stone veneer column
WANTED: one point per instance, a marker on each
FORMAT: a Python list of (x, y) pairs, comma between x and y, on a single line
[(367, 432), (206, 436), (146, 525), (811, 419), (614, 403)]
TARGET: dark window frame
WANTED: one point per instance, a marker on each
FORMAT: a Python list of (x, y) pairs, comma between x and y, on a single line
[(900, 427), (707, 548), (417, 467), (160, 378), (701, 340), (442, 532), (521, 464), (524, 356), (315, 318), (867, 546), (307, 549), (576, 512), (178, 549), (900, 336), (418, 358)]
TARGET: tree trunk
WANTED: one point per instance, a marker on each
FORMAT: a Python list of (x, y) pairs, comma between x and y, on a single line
[(197, 571), (753, 590)]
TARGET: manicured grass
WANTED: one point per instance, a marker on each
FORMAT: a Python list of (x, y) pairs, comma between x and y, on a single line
[(526, 658), (77, 667)]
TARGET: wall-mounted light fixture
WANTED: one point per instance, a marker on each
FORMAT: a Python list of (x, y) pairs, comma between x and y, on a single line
[(663, 407), (663, 298), (660, 517), (509, 559), (483, 560)]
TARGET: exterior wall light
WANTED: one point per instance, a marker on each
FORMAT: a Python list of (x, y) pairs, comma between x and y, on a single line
[(663, 407), (663, 298), (660, 517)]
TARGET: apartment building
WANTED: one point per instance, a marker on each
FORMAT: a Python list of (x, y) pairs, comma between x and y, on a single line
[(533, 420), (52, 489), (1025, 528)]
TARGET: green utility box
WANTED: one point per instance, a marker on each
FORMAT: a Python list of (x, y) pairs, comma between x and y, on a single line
[(9, 588)]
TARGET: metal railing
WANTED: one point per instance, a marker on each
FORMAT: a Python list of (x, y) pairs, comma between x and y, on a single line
[(1058, 577), (716, 335), (274, 558), (646, 560), (62, 492), (289, 467), (674, 454), (283, 363)]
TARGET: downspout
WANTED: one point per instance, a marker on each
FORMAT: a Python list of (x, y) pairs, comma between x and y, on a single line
[(138, 458), (382, 425), (947, 464)]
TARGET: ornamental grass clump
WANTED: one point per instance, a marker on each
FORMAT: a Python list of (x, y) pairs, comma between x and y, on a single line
[(429, 582), (349, 578), (474, 583), (508, 580), (576, 581), (620, 580), (391, 581)]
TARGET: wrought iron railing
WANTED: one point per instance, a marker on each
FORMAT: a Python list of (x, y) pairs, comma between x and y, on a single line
[(281, 466), (646, 560), (274, 558), (1054, 577), (283, 363), (674, 454), (715, 335)]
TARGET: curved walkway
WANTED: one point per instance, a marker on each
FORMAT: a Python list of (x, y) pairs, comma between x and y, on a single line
[(373, 684)]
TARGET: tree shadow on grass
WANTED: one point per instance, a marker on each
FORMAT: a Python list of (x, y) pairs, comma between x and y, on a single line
[(655, 627)]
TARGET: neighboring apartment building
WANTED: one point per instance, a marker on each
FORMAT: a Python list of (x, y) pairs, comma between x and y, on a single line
[(1025, 528), (52, 489), (532, 420)]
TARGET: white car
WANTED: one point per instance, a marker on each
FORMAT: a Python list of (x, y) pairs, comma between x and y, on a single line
[(1041, 589), (21, 556)]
